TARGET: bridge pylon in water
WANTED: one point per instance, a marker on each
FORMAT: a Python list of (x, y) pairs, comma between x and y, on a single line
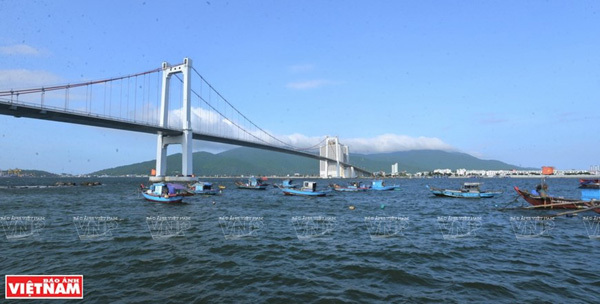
[(185, 140)]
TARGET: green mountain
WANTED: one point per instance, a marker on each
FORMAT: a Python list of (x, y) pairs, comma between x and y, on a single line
[(250, 161), (27, 173)]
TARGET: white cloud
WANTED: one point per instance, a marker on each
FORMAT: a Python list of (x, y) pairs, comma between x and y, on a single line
[(21, 78), (209, 122), (309, 84), (392, 143), (212, 147), (19, 49)]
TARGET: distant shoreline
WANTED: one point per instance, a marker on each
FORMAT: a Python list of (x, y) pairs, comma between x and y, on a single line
[(579, 176)]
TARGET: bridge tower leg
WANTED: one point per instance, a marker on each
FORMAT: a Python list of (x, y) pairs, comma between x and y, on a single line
[(185, 140)]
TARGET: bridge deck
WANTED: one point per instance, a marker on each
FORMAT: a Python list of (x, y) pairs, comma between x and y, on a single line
[(54, 114)]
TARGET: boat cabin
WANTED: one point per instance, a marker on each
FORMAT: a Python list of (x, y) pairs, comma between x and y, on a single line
[(378, 184), (255, 182), (470, 187), (309, 186), (287, 183), (202, 186), (166, 189), (252, 181), (357, 184), (158, 189)]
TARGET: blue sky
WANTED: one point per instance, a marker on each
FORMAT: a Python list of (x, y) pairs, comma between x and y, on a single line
[(515, 81)]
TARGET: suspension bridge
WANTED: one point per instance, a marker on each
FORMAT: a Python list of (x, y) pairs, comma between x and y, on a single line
[(166, 102)]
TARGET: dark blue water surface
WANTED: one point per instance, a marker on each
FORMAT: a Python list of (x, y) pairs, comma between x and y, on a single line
[(249, 246)]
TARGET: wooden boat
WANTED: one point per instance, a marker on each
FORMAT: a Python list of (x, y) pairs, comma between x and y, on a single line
[(468, 190), (204, 188), (307, 189), (165, 193), (551, 202), (379, 185), (353, 187), (252, 184)]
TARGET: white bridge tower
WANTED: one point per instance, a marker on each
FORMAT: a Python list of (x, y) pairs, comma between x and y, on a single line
[(337, 153), (185, 140)]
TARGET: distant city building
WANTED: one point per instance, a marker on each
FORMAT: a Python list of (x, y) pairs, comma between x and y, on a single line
[(395, 170), (504, 173), (442, 171)]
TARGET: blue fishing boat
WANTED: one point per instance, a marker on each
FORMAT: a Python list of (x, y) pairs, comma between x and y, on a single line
[(468, 190), (307, 189), (204, 188), (165, 193), (353, 187), (379, 185), (252, 184)]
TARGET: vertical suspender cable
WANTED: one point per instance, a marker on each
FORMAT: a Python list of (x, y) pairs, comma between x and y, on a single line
[(135, 100), (121, 99), (128, 94), (91, 96), (67, 97), (110, 100), (104, 99)]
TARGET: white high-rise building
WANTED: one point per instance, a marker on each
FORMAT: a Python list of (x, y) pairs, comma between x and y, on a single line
[(395, 170)]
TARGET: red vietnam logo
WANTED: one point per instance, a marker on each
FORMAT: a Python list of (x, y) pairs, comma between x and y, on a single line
[(43, 287)]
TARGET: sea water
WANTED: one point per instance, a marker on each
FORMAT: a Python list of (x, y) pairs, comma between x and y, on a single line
[(248, 246)]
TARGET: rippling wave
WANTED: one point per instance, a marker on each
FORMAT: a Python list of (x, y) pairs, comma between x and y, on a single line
[(258, 246)]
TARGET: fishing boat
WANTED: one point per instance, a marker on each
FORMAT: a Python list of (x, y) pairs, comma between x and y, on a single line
[(379, 185), (286, 183), (165, 193), (467, 190), (539, 198), (352, 187), (252, 184), (307, 189), (589, 183), (204, 188), (543, 201)]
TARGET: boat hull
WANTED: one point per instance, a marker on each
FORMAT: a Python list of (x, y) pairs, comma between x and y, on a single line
[(261, 187), (350, 189), (589, 183), (552, 202), (162, 199), (385, 188), (379, 185), (206, 192), (288, 191), (462, 194)]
